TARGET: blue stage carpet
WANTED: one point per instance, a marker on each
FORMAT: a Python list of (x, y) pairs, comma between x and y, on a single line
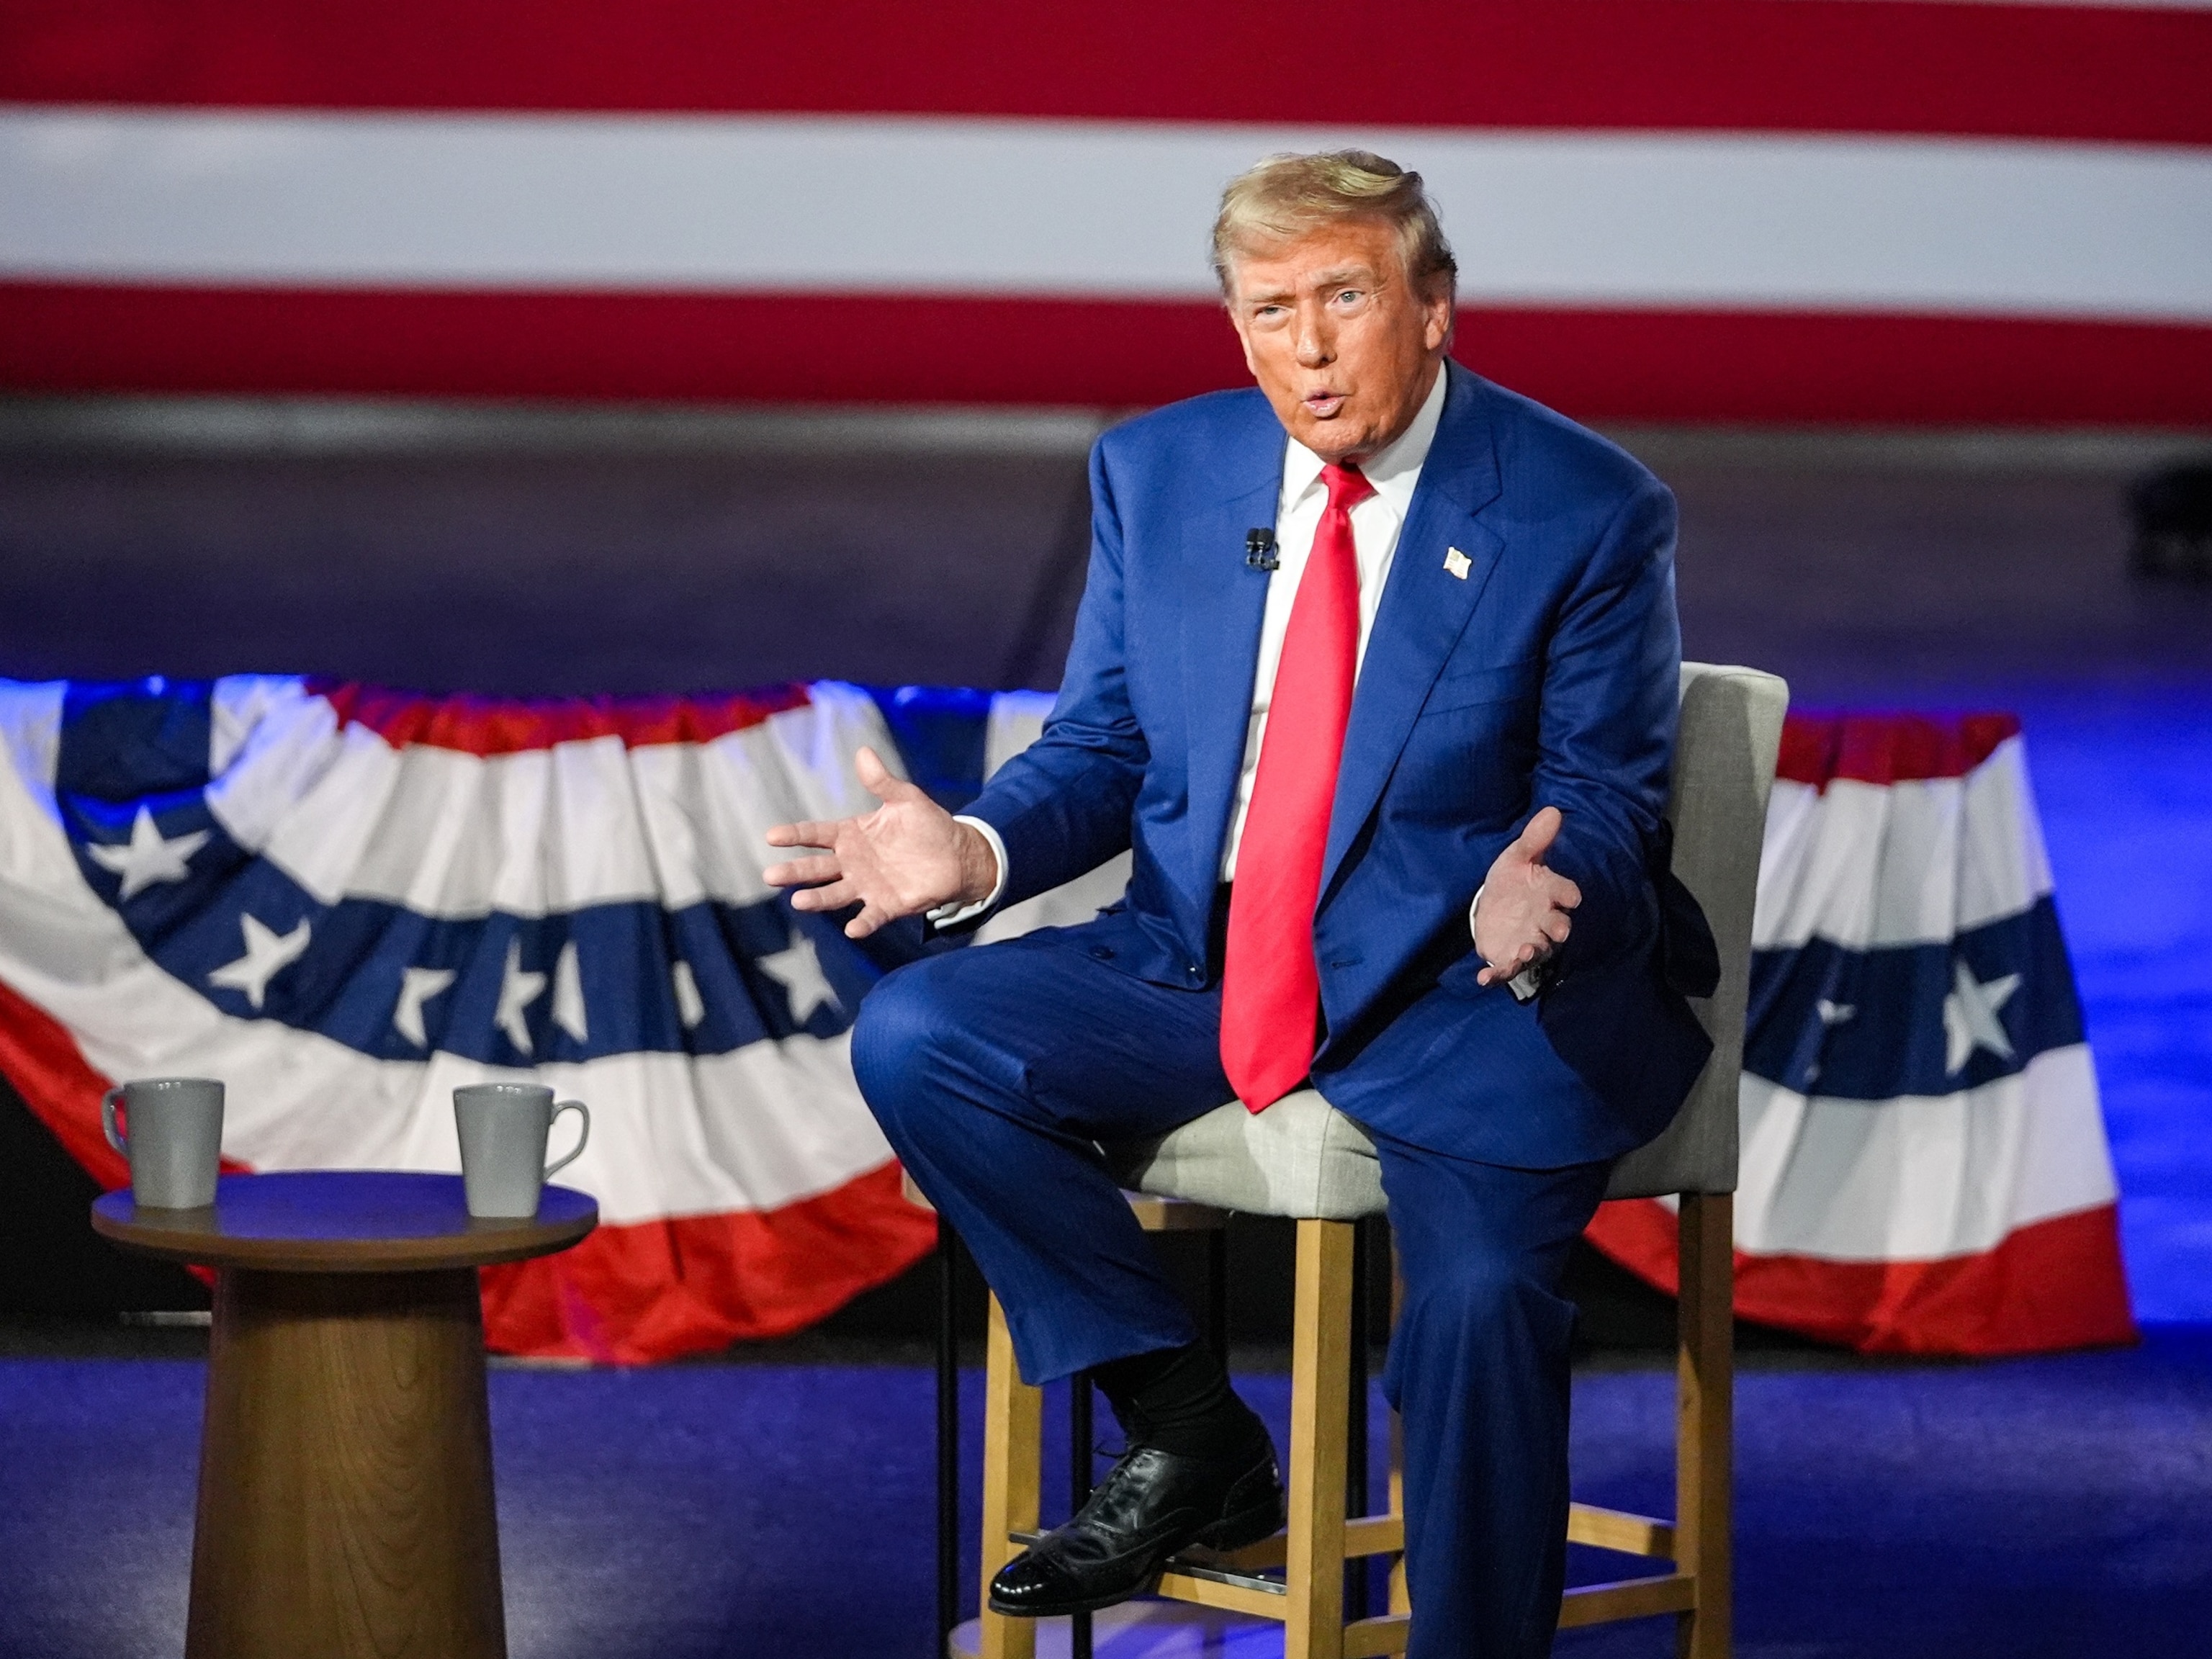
[(2041, 1507)]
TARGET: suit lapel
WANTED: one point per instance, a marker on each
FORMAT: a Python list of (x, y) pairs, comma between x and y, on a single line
[(1224, 602), (1425, 607)]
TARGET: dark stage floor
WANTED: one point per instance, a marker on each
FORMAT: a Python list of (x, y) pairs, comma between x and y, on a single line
[(2036, 1509)]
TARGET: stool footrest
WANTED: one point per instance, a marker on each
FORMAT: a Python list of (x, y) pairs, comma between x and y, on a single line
[(1371, 1638), (1364, 1535), (1587, 1604), (1618, 1530), (1208, 1569), (1628, 1598)]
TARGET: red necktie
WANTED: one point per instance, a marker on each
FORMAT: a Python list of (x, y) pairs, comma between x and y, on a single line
[(1270, 988)]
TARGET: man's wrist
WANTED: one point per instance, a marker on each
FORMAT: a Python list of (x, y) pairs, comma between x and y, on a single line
[(979, 864), (982, 873)]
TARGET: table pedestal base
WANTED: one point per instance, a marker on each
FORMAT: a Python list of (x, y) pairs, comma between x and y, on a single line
[(346, 1495)]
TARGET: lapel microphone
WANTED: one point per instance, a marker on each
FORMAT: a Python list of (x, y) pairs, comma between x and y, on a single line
[(1260, 549)]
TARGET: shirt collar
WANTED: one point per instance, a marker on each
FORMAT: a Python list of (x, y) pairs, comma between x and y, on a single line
[(1393, 469)]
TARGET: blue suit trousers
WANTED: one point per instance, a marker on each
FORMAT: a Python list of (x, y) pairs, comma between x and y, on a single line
[(995, 1070)]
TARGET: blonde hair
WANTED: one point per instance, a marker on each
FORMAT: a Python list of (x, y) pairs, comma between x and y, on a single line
[(1286, 197)]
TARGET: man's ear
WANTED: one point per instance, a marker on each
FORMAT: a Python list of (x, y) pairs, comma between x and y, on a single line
[(1442, 307), (1243, 339)]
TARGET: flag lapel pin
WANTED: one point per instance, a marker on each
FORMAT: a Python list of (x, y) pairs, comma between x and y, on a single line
[(1457, 562)]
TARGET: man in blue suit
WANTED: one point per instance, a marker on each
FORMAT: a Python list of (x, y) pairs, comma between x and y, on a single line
[(1375, 672)]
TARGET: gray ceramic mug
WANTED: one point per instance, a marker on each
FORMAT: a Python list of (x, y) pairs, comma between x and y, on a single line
[(172, 1132), (504, 1128)]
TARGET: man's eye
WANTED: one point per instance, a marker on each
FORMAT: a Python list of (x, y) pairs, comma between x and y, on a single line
[(1344, 296)]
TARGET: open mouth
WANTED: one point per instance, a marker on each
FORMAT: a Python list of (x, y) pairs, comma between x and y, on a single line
[(1322, 405)]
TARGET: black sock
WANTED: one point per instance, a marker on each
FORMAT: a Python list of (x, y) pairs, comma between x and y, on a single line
[(1179, 1399)]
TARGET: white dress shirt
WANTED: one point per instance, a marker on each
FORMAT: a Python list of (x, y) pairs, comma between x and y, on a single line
[(1394, 470)]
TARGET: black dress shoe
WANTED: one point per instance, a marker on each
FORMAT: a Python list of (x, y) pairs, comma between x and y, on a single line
[(1154, 1504)]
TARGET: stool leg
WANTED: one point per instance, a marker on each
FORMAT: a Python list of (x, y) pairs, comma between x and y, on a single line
[(1080, 1472), (1357, 1497), (948, 1434), (1013, 1453), (1704, 1397), (1321, 1362), (1401, 1601)]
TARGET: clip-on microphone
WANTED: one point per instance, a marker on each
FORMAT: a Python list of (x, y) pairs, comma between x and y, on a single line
[(1259, 550)]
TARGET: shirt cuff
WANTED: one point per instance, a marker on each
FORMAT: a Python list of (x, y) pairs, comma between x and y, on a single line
[(953, 914), (1530, 981)]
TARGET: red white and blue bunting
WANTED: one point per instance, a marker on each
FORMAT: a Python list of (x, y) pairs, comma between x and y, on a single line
[(344, 903), (1924, 1165)]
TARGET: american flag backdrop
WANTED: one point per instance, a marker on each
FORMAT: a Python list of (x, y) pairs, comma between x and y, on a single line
[(1865, 210)]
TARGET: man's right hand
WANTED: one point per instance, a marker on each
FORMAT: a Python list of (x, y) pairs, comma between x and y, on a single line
[(908, 856), (1521, 916)]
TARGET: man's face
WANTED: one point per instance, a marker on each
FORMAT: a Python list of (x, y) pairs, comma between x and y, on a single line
[(1342, 343)]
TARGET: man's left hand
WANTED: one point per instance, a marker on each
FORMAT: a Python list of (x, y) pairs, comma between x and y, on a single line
[(1522, 915)]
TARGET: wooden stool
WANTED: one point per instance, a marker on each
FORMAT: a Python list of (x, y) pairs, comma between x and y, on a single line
[(1297, 1577), (1303, 1159)]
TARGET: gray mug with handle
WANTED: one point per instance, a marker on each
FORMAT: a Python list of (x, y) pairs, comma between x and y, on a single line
[(503, 1128), (171, 1129)]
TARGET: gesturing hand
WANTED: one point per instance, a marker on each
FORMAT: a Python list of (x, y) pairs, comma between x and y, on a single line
[(1521, 917), (907, 856)]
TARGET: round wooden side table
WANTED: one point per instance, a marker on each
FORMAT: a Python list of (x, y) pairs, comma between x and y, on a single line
[(345, 1488)]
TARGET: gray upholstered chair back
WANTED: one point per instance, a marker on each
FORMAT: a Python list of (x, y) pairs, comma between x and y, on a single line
[(1724, 768), (1303, 1157)]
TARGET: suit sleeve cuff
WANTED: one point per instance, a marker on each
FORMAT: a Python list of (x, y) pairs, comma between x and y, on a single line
[(951, 915)]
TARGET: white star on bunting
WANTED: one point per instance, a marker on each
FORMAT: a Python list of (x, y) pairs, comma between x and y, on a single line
[(147, 858), (417, 986), (1831, 1014), (568, 994), (516, 991), (691, 1007), (267, 954), (1970, 1016), (799, 970)]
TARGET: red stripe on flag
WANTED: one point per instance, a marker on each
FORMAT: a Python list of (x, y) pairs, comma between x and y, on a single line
[(1812, 65), (1819, 748), (59, 1085), (659, 1289), (1839, 368), (2051, 1285), (493, 725)]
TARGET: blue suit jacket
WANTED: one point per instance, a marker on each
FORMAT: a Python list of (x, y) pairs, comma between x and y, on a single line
[(1546, 676)]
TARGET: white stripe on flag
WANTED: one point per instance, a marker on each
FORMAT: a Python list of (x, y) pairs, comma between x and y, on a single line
[(1867, 866), (1918, 1179), (2011, 228), (541, 831)]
